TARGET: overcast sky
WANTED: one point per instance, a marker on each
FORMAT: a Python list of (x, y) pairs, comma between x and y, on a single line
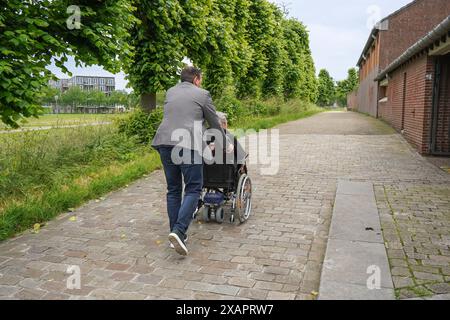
[(338, 31)]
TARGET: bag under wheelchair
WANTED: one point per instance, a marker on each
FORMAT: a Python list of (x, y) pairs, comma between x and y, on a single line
[(224, 184)]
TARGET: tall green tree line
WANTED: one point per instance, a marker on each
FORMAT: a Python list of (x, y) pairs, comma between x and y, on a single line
[(248, 46)]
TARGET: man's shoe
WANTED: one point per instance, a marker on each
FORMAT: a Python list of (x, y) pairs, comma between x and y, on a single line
[(185, 240), (178, 244)]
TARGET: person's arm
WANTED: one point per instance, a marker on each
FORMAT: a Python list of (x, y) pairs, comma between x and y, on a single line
[(209, 112)]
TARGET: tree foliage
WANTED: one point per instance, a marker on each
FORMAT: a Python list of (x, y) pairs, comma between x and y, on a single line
[(299, 70), (260, 32), (246, 48), (326, 87), (165, 33), (276, 56), (347, 86), (34, 32), (220, 47)]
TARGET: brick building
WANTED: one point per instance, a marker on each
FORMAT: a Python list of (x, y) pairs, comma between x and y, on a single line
[(415, 91), (397, 69)]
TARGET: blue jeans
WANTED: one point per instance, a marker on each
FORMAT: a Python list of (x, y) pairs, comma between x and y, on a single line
[(180, 212)]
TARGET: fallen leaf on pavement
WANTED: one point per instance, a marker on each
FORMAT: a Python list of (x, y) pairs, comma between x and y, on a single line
[(36, 227)]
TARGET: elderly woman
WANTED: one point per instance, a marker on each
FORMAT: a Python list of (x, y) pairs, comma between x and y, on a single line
[(240, 152)]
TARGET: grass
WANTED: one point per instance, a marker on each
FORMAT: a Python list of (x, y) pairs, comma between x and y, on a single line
[(417, 291), (44, 173), (39, 208), (58, 120), (261, 123), (288, 111)]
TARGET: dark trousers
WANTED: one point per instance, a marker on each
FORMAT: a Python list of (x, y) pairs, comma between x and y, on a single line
[(180, 211)]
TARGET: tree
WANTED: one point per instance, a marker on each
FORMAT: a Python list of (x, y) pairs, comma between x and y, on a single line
[(347, 86), (237, 43), (95, 98), (48, 95), (221, 46), (74, 97), (310, 86), (294, 70), (133, 100), (326, 95), (260, 30), (352, 79), (166, 31), (276, 55), (118, 97), (34, 32)]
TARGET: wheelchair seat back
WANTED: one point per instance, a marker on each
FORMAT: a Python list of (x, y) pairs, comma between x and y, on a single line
[(219, 176)]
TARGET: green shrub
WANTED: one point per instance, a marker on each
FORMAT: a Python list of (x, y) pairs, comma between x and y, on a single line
[(141, 125), (260, 108)]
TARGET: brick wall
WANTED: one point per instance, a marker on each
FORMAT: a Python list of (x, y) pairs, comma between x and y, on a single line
[(418, 102), (405, 28), (443, 143), (409, 25)]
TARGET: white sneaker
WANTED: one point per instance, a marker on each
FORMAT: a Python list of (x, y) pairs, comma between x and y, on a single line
[(178, 244), (173, 247)]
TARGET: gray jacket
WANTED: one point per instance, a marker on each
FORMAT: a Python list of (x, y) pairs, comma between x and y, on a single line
[(185, 110)]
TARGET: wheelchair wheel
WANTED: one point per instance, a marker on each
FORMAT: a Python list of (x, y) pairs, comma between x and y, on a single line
[(219, 215), (244, 198), (206, 214)]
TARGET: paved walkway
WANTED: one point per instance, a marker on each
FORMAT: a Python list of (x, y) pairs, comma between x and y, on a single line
[(120, 242)]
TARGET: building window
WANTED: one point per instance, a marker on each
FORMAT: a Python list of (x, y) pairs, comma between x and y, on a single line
[(383, 91)]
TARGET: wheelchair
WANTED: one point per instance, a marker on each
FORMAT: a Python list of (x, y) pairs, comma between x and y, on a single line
[(224, 184)]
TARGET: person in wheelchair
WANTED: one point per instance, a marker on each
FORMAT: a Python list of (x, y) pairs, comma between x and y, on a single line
[(225, 180), (240, 155)]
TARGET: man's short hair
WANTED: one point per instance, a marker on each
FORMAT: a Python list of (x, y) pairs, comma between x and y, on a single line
[(189, 73)]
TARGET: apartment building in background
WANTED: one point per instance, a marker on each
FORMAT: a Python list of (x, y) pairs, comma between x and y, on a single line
[(404, 74), (104, 84), (61, 84)]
